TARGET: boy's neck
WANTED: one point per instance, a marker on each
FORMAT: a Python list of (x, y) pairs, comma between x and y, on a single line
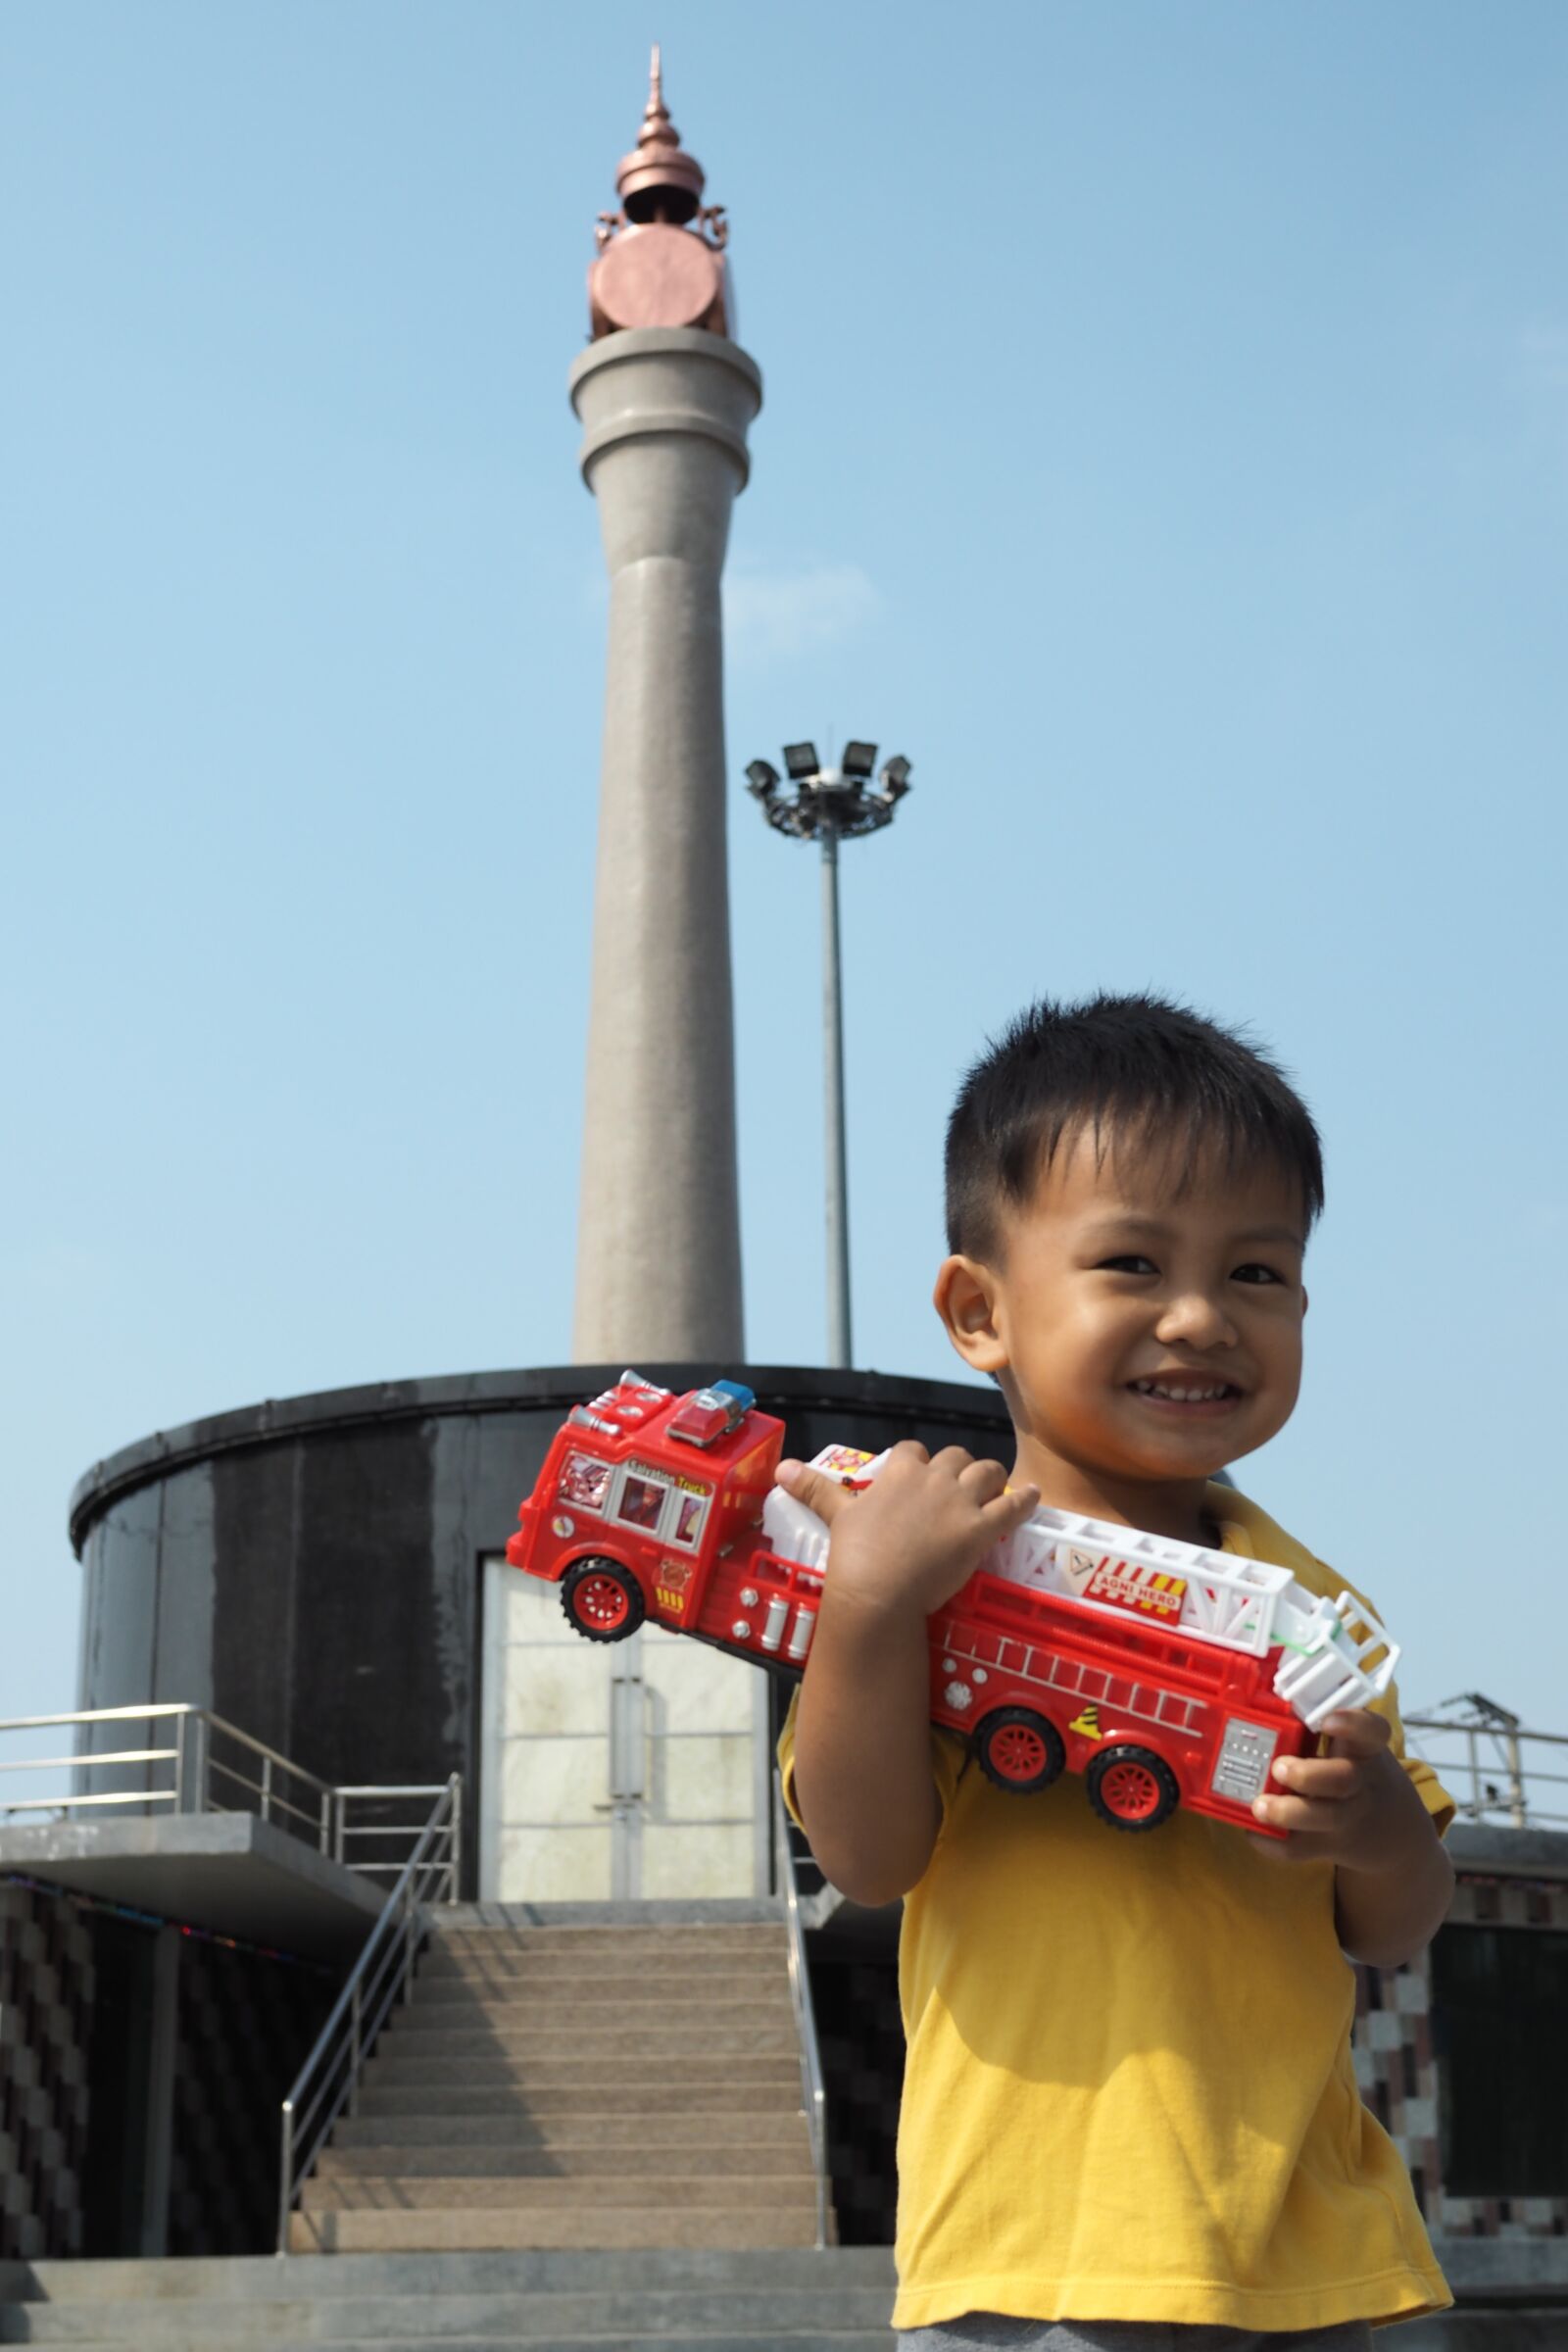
[(1179, 1508)]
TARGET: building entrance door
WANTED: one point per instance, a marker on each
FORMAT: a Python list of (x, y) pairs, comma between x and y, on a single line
[(614, 1771)]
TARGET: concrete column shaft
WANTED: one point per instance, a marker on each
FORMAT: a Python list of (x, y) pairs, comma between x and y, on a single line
[(659, 1238)]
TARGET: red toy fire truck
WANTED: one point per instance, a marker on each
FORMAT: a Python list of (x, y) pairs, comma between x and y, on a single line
[(1164, 1673)]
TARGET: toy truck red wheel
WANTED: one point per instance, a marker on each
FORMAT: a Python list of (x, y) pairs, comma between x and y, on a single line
[(1132, 1787), (1020, 1750), (602, 1600)]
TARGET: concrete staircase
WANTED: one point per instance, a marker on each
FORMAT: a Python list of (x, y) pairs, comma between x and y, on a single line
[(670, 2302), (674, 2301), (577, 2086)]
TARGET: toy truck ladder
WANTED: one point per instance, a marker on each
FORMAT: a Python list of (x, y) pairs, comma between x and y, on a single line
[(1336, 1654)]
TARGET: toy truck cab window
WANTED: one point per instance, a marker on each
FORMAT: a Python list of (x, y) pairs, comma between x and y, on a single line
[(690, 1512), (584, 1482), (641, 1502)]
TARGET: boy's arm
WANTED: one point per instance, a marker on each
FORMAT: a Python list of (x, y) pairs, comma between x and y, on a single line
[(1355, 1806), (862, 1748), (863, 1751)]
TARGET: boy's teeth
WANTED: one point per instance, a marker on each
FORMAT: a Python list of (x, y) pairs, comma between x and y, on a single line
[(1162, 1388)]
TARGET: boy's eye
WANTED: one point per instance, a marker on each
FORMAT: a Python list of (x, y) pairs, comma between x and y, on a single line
[(1253, 1272), (1132, 1264)]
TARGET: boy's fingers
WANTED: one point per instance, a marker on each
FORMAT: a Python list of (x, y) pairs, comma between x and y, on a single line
[(1278, 1849), (813, 1488), (1313, 1817), (1336, 1777), (1013, 1506), (983, 1479), (1357, 1731)]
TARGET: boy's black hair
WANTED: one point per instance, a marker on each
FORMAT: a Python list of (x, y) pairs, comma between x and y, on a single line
[(1139, 1068)]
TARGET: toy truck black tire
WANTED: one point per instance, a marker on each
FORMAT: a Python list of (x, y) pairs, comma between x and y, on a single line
[(1131, 1787), (1018, 1750), (602, 1600)]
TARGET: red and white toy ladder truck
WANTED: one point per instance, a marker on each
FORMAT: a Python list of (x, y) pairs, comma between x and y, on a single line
[(1164, 1673)]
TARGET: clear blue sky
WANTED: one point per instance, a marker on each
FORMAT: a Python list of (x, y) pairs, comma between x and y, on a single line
[(1165, 446)]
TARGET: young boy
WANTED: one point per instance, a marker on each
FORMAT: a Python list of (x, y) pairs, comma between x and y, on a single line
[(1130, 2121)]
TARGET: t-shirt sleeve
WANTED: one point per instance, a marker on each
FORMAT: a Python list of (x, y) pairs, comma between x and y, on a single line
[(1433, 1795), (786, 1758)]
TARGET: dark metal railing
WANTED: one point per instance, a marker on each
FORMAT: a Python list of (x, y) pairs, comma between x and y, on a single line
[(327, 2083), (814, 2097), (1493, 1769)]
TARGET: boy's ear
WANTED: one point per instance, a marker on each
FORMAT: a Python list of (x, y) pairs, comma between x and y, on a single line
[(965, 1299)]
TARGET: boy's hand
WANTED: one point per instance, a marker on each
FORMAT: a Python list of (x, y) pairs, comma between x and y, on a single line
[(920, 1529), (1352, 1805)]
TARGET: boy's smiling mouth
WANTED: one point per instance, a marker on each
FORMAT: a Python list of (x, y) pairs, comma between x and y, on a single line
[(1186, 1392)]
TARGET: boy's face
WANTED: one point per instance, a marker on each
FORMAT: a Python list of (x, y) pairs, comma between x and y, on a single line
[(1139, 1337)]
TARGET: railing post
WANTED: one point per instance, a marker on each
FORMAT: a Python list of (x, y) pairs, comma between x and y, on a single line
[(324, 1838), (457, 1837), (285, 2194), (1516, 1779), (341, 1810), (203, 1746), (180, 1763), (812, 2095), (266, 1788)]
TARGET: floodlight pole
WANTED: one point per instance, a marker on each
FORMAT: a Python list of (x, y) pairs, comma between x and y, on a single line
[(830, 803), (840, 1349)]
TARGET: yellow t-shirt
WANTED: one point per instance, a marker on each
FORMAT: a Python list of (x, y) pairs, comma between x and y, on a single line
[(1129, 2091)]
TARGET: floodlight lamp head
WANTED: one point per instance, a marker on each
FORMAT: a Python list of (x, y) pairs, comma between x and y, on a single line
[(860, 758), (761, 778), (895, 777), (802, 762)]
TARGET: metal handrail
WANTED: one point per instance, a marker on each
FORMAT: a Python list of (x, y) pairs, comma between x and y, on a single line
[(194, 1728), (379, 1975), (812, 2093), (1505, 1783), (216, 1768)]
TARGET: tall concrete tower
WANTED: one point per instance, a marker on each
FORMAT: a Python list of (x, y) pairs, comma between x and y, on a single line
[(665, 396)]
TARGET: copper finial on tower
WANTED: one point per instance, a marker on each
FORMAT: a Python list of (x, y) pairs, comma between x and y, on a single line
[(661, 257)]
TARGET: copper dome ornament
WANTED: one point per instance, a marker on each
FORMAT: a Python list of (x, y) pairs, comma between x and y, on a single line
[(661, 260)]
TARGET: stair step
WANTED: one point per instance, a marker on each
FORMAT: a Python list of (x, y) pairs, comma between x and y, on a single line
[(436, 2037), (372, 2192), (539, 1959), (520, 2129), (573, 2317), (419, 2161), (558, 2099), (588, 2009), (255, 2277), (814, 2340), (605, 2227), (396, 2067), (645, 1946), (570, 1991)]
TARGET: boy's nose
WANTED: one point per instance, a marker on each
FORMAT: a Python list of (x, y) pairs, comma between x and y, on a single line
[(1198, 1320)]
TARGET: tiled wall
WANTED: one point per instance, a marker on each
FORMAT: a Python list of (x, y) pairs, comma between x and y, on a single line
[(46, 1989), (1394, 2066), (861, 2039), (1510, 1903), (246, 2025)]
